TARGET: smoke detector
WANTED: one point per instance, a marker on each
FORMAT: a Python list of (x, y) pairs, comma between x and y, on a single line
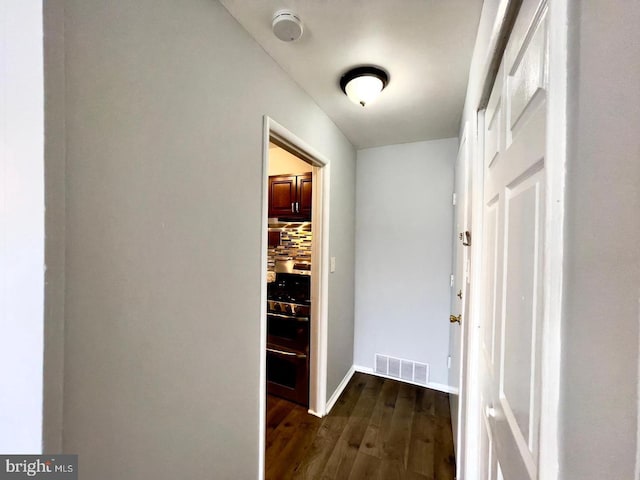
[(287, 26)]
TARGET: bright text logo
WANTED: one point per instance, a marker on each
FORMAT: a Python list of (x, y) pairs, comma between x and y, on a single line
[(49, 467)]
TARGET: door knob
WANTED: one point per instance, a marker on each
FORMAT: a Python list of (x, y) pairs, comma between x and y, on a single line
[(454, 319)]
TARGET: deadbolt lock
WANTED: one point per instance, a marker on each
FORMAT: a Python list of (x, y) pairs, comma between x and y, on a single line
[(459, 294), (454, 319)]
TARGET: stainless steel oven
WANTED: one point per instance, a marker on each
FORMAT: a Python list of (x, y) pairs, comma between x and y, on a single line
[(288, 374), (288, 326)]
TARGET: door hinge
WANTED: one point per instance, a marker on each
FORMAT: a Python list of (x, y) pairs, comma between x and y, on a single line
[(454, 199), (452, 281)]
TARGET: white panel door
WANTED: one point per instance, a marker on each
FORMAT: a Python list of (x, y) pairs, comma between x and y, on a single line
[(514, 203)]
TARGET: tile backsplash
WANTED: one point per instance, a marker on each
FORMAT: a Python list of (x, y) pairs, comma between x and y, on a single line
[(295, 242)]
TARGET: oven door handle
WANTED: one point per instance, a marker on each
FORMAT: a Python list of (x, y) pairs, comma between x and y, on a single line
[(288, 317), (288, 354)]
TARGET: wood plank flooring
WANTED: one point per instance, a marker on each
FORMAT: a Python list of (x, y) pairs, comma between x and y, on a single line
[(378, 429)]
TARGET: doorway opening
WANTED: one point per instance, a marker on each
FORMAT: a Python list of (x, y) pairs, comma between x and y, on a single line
[(294, 299)]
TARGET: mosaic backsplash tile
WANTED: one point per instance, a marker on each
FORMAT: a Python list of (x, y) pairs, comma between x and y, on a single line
[(295, 242)]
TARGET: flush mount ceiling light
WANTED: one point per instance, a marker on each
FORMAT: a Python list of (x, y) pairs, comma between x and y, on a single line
[(363, 84)]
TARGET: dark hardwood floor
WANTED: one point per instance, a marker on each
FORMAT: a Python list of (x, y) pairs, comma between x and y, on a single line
[(378, 429)]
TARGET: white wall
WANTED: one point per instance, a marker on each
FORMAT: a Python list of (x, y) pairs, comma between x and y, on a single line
[(403, 253), (164, 115), (21, 226), (602, 253)]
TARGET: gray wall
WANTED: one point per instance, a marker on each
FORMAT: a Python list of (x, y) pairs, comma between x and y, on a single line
[(55, 224), (342, 281), (403, 260), (602, 253), (163, 112)]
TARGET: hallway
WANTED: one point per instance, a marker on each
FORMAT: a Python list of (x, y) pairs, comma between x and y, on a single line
[(379, 429), (133, 140)]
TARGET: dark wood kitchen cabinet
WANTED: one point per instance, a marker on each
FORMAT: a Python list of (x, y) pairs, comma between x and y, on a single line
[(290, 197)]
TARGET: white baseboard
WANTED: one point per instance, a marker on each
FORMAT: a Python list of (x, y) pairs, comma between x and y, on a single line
[(442, 387), (314, 413), (432, 385), (334, 398), (361, 369)]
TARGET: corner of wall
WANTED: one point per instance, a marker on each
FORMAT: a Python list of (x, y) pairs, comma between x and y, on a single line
[(55, 224)]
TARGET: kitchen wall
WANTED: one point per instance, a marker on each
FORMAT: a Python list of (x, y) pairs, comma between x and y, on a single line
[(295, 242), (163, 179), (403, 260), (21, 226), (282, 162), (295, 239)]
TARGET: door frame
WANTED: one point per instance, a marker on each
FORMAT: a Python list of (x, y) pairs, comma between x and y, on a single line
[(321, 166), (463, 352), (556, 158)]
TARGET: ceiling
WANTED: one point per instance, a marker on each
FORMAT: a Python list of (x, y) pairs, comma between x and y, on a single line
[(425, 45)]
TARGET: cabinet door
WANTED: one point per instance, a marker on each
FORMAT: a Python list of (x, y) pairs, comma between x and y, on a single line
[(304, 196), (282, 195)]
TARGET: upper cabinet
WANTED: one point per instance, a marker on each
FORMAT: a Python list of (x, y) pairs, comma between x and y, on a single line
[(304, 196), (290, 197)]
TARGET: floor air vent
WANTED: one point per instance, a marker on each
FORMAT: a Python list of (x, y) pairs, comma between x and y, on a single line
[(402, 369)]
